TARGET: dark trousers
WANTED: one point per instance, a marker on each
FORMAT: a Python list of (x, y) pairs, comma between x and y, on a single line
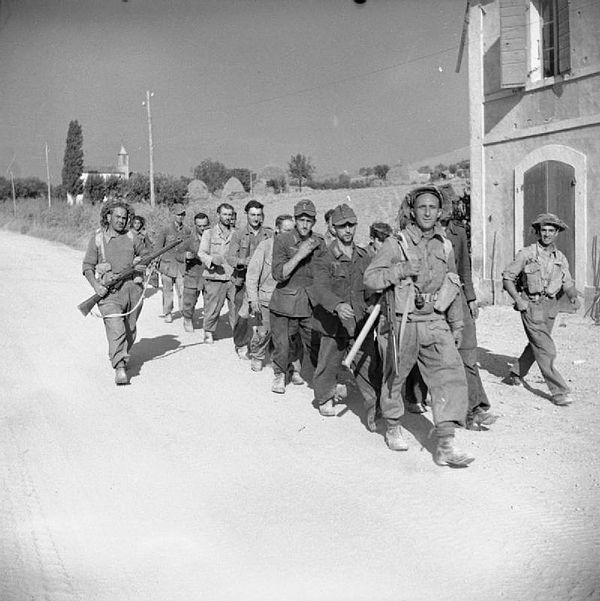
[(284, 333), (189, 299), (430, 345), (538, 322), (121, 331), (241, 328), (366, 369), (261, 336)]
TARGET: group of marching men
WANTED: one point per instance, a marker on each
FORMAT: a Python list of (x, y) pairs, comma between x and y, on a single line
[(399, 314)]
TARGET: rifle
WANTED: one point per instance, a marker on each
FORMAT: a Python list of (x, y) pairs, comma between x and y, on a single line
[(347, 362), (390, 310), (87, 305)]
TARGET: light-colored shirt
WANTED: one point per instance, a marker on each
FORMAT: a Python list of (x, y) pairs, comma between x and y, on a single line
[(215, 241)]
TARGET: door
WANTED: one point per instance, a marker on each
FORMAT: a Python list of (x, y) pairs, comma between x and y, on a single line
[(549, 187)]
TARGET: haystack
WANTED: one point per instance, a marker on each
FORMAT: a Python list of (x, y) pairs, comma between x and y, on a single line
[(233, 189), (197, 190)]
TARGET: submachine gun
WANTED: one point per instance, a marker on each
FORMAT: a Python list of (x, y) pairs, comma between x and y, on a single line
[(87, 305)]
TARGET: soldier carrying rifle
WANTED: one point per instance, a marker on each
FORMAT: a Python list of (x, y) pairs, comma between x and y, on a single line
[(112, 252)]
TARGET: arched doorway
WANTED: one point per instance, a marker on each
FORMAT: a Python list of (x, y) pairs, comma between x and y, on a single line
[(549, 187), (553, 178)]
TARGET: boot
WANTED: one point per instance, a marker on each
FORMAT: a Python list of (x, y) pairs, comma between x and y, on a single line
[(297, 379), (188, 325), (278, 384), (168, 318), (327, 409), (256, 364), (446, 453), (394, 439), (208, 338), (372, 419), (480, 420), (121, 376)]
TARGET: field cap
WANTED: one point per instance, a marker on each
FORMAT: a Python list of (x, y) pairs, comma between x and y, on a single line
[(343, 214), (178, 209), (550, 219), (305, 207)]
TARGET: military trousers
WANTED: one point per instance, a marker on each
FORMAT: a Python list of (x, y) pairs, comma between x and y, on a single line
[(216, 292), (261, 336), (538, 322), (416, 390), (366, 369), (168, 283), (293, 340), (189, 299), (241, 328), (429, 345), (121, 330)]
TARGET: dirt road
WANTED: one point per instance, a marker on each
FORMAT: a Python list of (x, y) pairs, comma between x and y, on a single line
[(196, 482)]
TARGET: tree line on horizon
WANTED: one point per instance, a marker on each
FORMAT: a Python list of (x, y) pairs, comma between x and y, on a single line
[(171, 189)]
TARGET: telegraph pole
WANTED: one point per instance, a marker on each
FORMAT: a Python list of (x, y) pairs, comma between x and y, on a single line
[(48, 177), (12, 185), (150, 146)]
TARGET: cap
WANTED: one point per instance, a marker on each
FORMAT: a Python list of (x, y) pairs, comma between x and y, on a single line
[(420, 190), (305, 207), (343, 214), (550, 219), (178, 209)]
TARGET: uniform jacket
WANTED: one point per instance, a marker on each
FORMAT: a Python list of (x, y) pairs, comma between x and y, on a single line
[(259, 278), (546, 269), (215, 241), (436, 262), (192, 268), (243, 244), (457, 234), (290, 296), (168, 262), (339, 279)]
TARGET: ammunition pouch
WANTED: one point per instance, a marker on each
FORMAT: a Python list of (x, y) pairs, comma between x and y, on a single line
[(449, 290)]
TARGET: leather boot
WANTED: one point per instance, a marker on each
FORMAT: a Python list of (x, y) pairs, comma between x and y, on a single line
[(278, 384), (446, 453), (372, 419), (327, 409), (394, 439), (121, 376), (297, 379), (188, 325)]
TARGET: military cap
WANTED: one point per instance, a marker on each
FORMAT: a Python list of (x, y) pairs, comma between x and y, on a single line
[(343, 214), (178, 209), (305, 207), (549, 219), (420, 190)]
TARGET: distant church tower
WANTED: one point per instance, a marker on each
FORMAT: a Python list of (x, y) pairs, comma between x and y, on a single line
[(123, 162)]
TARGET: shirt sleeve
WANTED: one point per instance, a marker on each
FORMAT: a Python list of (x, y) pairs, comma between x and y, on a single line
[(204, 250), (90, 260), (280, 258), (379, 275), (567, 280), (512, 270), (254, 272)]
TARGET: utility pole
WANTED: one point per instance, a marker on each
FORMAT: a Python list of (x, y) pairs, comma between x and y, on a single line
[(48, 177), (12, 185), (150, 146)]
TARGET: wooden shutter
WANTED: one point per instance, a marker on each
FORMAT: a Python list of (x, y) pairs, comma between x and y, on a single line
[(513, 40), (564, 36)]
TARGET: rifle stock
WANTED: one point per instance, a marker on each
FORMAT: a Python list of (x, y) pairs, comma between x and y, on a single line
[(87, 305)]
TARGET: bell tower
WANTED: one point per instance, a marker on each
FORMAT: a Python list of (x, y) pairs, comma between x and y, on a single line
[(123, 163)]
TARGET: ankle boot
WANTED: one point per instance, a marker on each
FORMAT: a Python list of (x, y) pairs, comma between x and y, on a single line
[(447, 453)]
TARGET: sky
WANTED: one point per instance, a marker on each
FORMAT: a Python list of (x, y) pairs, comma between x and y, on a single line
[(244, 82)]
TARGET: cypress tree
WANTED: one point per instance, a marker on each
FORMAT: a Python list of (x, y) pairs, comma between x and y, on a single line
[(73, 160)]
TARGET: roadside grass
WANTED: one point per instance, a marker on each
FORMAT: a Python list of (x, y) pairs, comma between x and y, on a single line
[(73, 225)]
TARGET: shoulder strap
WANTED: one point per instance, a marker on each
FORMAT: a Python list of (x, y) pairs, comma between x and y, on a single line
[(447, 248), (100, 244)]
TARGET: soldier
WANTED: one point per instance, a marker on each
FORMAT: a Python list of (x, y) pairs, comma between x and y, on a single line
[(378, 232), (291, 313), (425, 324), (535, 280), (243, 244), (193, 282), (329, 229), (478, 414), (112, 250), (171, 271), (340, 311), (218, 287), (260, 285)]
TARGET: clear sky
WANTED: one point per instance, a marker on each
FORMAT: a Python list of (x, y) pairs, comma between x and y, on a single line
[(245, 82)]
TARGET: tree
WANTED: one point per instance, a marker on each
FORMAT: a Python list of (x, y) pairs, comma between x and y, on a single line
[(366, 171), (94, 189), (170, 190), (381, 171), (278, 184), (138, 188), (212, 173), (73, 159), (300, 168)]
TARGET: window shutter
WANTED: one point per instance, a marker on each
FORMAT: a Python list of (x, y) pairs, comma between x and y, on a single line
[(513, 57), (564, 36)]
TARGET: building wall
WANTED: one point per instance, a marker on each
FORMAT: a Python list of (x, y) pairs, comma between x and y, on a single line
[(509, 124)]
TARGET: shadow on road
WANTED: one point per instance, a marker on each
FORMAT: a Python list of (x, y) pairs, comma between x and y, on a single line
[(150, 349), (494, 363)]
